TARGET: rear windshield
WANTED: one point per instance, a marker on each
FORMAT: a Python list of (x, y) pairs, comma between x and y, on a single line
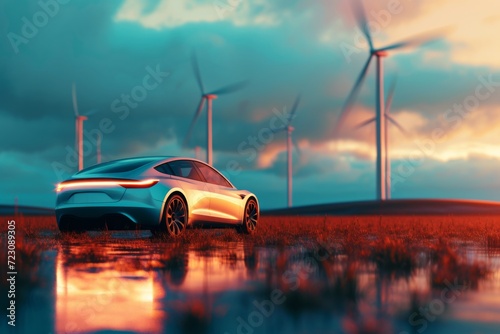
[(120, 166)]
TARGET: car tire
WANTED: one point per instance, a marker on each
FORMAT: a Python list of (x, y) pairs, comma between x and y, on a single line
[(175, 217), (250, 218)]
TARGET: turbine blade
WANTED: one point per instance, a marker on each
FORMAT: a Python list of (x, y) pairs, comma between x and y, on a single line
[(352, 95), (390, 96), (75, 102), (230, 88), (197, 72), (365, 123), (395, 123), (360, 14), (195, 118), (418, 40), (279, 129), (293, 111)]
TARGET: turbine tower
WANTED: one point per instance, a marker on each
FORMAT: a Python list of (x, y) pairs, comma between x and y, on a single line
[(380, 116), (388, 118), (98, 146), (79, 119), (289, 147), (197, 153), (208, 98)]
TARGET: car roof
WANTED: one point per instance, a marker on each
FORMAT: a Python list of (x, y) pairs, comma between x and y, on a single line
[(135, 164), (152, 159), (138, 161)]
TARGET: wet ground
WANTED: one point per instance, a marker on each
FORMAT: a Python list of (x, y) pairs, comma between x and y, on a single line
[(131, 282)]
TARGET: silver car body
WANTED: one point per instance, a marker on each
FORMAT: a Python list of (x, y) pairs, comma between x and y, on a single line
[(135, 190)]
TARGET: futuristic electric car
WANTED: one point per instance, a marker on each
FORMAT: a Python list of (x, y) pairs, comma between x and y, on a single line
[(163, 194)]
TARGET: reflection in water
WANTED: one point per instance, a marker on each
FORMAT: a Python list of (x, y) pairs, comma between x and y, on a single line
[(106, 291), (124, 288), (242, 289)]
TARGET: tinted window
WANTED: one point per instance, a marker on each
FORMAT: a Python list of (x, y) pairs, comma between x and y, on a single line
[(165, 169), (184, 168), (119, 166), (212, 176)]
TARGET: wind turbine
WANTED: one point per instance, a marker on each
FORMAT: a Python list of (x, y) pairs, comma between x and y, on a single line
[(388, 118), (98, 146), (197, 152), (380, 116), (289, 147), (79, 119), (208, 98)]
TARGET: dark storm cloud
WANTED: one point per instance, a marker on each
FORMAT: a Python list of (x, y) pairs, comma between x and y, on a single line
[(33, 135), (106, 60)]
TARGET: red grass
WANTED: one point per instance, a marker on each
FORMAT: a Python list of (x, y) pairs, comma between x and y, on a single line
[(391, 242)]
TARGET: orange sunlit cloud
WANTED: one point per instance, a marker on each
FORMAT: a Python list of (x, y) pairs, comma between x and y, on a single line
[(455, 143), (469, 27)]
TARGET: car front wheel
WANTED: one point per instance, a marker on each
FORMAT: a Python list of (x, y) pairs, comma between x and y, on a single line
[(250, 217), (175, 216)]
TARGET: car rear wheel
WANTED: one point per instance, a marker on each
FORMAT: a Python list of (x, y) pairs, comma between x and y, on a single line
[(175, 216), (250, 218)]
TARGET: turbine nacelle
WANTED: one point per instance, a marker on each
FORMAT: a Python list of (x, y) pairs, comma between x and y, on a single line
[(210, 96), (380, 53)]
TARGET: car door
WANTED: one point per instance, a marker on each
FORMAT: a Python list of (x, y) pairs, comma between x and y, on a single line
[(197, 193), (226, 204)]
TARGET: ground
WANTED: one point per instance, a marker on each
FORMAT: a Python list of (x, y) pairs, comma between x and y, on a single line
[(370, 274)]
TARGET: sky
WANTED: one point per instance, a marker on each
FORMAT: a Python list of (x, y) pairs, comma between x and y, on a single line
[(131, 61)]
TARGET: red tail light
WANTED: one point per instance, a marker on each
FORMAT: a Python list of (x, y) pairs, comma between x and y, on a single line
[(91, 183)]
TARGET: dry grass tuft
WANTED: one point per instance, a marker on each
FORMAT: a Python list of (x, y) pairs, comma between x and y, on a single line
[(394, 256), (449, 267)]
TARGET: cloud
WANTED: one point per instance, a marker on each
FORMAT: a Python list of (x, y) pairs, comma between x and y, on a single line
[(464, 25), (169, 14), (283, 48)]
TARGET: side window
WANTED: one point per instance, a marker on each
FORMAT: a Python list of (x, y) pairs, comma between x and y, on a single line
[(165, 169), (184, 168), (212, 176)]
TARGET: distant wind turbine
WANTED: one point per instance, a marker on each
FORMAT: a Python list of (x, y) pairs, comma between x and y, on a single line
[(79, 119), (380, 116), (98, 148), (208, 97), (388, 118), (289, 147), (197, 153)]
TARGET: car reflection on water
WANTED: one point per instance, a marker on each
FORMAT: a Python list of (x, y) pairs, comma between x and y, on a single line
[(120, 288), (238, 288)]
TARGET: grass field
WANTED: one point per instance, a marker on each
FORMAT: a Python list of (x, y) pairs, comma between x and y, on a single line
[(395, 246), (290, 230), (355, 234), (392, 242)]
